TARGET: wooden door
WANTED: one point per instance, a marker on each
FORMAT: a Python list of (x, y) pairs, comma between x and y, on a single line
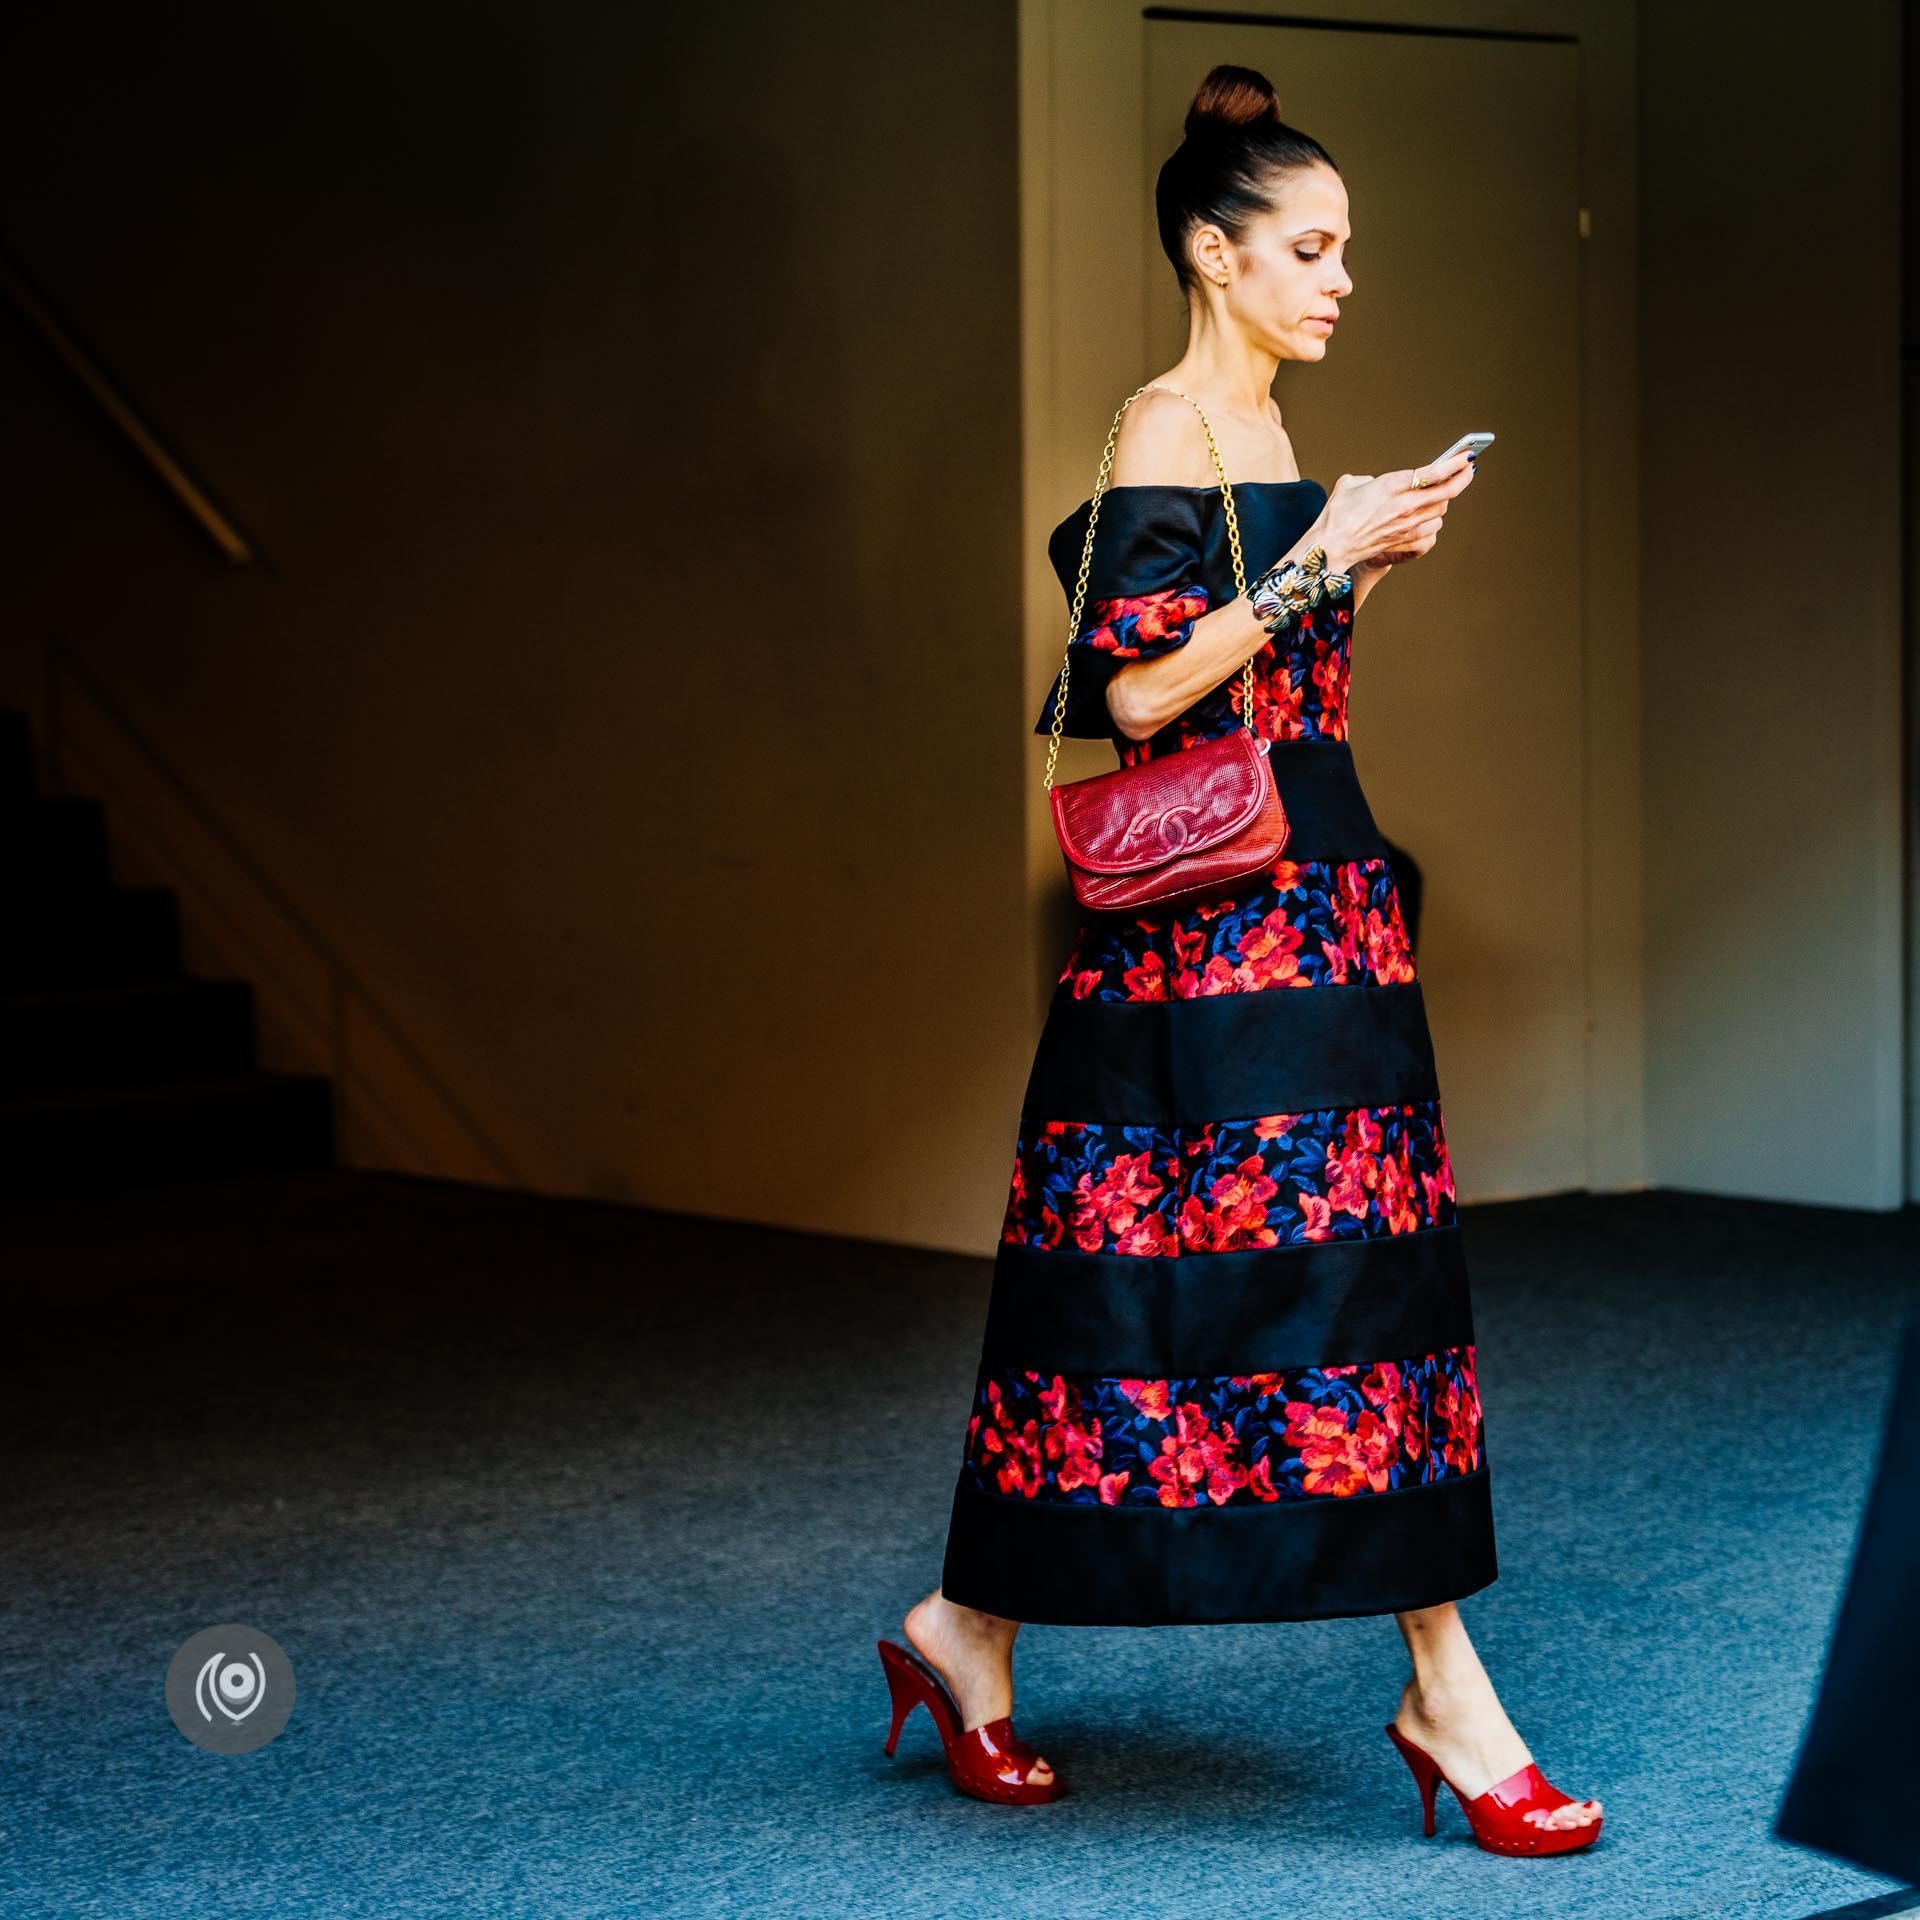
[(1461, 160)]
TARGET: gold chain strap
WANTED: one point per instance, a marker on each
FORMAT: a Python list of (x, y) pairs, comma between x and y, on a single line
[(1086, 562)]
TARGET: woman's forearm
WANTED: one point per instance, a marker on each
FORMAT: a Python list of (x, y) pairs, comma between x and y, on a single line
[(1144, 695)]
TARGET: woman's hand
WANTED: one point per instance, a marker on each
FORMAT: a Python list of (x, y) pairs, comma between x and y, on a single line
[(1375, 520)]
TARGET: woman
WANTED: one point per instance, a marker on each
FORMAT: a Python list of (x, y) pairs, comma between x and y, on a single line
[(1228, 1371)]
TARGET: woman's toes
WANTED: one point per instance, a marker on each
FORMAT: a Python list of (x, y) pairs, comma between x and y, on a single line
[(1557, 1819), (1040, 1773)]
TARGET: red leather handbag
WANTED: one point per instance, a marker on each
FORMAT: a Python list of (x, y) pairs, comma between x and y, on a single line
[(1188, 824)]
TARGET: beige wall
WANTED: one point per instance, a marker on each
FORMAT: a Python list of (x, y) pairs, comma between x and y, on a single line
[(628, 415), (630, 701), (1771, 555)]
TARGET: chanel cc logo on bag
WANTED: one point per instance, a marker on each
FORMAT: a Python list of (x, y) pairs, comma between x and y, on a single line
[(1172, 835)]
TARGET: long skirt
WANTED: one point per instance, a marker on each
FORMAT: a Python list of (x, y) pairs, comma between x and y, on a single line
[(1228, 1367)]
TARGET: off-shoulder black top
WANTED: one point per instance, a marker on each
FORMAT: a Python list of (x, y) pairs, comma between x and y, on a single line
[(1161, 559)]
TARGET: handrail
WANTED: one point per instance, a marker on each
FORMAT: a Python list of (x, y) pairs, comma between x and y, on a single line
[(343, 982), (115, 405)]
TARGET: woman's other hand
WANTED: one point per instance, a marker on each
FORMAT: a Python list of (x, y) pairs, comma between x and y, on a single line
[(1374, 520)]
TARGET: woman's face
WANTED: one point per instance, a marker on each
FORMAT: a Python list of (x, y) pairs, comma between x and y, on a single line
[(1287, 280)]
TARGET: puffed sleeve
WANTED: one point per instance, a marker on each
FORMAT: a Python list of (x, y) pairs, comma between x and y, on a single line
[(1144, 592)]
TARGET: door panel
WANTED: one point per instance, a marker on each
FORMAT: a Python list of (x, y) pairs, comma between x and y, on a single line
[(1461, 163)]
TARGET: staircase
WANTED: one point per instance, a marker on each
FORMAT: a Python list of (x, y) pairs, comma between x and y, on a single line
[(116, 1066)]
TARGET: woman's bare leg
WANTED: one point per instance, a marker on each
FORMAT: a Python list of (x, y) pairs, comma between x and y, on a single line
[(1449, 1707), (973, 1653)]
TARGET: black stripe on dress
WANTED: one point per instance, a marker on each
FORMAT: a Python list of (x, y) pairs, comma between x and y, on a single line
[(1315, 1303), (1229, 1056), (1320, 1558), (1327, 813)]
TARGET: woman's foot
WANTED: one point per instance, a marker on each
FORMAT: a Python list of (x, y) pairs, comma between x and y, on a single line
[(973, 1653), (1449, 1707)]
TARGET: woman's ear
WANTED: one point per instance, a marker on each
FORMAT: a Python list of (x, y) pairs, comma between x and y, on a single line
[(1212, 253)]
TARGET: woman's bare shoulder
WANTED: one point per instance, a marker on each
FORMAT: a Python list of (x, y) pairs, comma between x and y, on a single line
[(1161, 443)]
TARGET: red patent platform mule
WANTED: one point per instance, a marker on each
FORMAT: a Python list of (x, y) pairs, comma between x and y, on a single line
[(1498, 1817), (990, 1762)]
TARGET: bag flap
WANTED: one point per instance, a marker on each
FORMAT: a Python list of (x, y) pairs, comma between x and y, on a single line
[(1137, 818)]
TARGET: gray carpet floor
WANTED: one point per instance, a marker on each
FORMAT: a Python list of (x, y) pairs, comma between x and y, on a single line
[(579, 1522)]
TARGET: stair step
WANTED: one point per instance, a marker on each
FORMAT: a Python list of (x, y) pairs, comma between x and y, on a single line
[(121, 1133), (52, 843), (158, 1030), (16, 757), (88, 937)]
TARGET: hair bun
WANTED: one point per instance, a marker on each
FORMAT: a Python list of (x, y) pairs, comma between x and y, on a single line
[(1231, 97)]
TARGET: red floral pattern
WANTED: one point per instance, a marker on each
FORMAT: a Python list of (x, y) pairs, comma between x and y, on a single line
[(1298, 924), (1339, 1173), (1234, 1440)]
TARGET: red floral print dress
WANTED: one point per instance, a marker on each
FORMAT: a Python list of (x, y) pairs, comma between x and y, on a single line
[(1228, 1370)]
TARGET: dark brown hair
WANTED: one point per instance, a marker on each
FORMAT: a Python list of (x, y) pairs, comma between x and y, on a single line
[(1236, 154)]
